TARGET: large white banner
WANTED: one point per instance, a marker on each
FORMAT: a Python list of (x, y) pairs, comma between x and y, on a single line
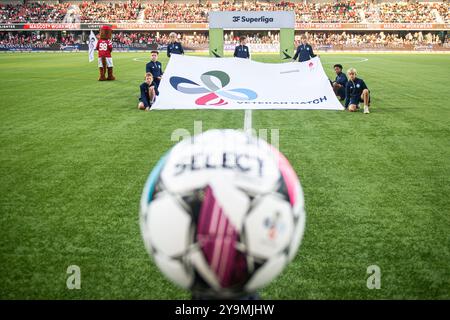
[(235, 83)]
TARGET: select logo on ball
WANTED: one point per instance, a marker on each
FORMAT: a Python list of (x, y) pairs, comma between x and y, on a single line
[(214, 228)]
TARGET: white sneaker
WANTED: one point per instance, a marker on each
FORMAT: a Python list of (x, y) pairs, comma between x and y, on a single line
[(366, 109)]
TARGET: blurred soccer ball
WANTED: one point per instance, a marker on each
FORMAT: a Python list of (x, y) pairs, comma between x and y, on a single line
[(222, 214)]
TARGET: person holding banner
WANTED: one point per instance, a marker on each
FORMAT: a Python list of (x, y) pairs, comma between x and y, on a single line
[(174, 46), (304, 51), (340, 82), (242, 51), (149, 91), (356, 91)]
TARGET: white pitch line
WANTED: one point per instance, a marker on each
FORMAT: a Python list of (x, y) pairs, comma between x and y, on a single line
[(248, 121), (248, 117), (351, 61), (138, 59)]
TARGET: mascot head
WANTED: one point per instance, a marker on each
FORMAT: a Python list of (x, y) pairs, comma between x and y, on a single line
[(105, 32)]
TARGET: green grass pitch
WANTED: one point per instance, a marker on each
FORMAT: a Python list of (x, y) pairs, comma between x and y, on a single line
[(75, 153)]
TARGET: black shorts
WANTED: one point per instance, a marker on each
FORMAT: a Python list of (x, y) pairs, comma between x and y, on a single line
[(140, 100), (341, 92), (357, 100)]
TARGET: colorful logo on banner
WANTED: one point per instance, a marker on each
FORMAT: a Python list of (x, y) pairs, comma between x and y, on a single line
[(212, 89)]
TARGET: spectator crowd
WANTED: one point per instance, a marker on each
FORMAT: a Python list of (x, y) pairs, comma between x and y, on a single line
[(32, 12), (36, 40), (200, 39), (9, 39), (127, 38), (111, 11), (382, 38), (343, 11)]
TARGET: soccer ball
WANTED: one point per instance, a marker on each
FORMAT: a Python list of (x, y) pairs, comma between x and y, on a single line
[(222, 214)]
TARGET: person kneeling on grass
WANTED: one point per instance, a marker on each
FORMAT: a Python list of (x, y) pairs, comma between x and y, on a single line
[(149, 91), (356, 91), (340, 82)]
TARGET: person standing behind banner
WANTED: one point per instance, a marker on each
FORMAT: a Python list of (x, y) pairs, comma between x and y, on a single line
[(304, 51), (174, 46), (242, 51), (155, 68)]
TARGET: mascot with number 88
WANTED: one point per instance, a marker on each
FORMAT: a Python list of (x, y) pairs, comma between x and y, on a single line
[(104, 48)]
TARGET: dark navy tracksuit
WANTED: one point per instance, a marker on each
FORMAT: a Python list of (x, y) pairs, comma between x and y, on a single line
[(145, 93), (155, 68), (341, 79), (174, 48), (241, 51), (304, 53), (353, 92)]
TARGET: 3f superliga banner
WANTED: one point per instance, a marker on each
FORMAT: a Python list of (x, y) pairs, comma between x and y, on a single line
[(234, 83)]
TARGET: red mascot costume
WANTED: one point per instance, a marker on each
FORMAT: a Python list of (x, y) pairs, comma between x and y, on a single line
[(104, 48)]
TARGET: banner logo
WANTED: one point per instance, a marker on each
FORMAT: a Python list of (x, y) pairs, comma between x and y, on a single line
[(212, 90)]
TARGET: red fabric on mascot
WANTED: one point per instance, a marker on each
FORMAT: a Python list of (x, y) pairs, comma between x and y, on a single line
[(104, 48)]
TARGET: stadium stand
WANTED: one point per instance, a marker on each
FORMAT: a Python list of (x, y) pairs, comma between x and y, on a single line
[(32, 12), (178, 12), (193, 40), (191, 12)]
